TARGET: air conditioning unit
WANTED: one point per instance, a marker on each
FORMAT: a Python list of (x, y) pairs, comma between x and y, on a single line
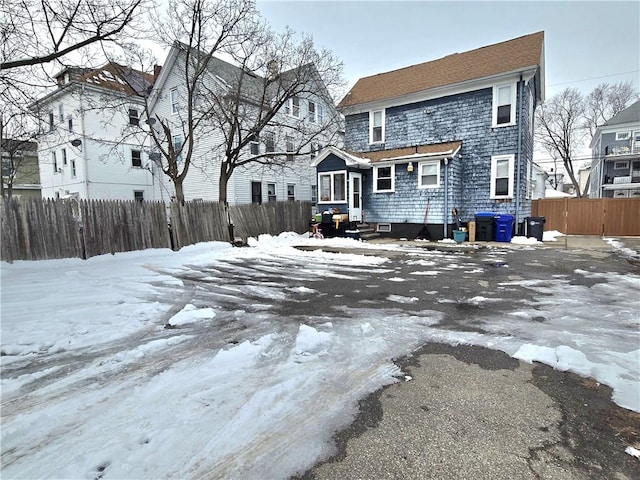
[(59, 170), (620, 193)]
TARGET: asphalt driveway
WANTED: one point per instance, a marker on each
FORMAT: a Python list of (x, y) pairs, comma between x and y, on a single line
[(471, 412)]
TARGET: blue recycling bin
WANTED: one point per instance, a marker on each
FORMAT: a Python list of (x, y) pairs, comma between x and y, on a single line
[(503, 227), (484, 226)]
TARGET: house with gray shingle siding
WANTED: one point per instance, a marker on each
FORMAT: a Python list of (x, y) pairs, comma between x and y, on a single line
[(456, 132)]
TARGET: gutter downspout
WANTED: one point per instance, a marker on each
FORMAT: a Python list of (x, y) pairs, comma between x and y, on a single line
[(446, 197), (519, 160)]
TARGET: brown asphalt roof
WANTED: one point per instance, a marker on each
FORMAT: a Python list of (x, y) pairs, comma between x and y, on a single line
[(433, 149), (483, 62), (119, 78)]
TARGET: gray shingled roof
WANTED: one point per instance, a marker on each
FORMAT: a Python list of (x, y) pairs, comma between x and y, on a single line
[(628, 115)]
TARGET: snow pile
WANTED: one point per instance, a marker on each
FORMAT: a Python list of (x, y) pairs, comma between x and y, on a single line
[(551, 236), (520, 240), (619, 245), (94, 384)]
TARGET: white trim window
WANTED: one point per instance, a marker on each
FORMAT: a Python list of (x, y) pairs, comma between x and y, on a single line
[(136, 158), (269, 142), (177, 147), (429, 174), (315, 112), (291, 192), (175, 97), (290, 148), (376, 126), (333, 187), (502, 167), (623, 136), (621, 165), (134, 117), (271, 192), (292, 107), (384, 179), (504, 105)]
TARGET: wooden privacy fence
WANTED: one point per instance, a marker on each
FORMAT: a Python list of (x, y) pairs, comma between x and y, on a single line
[(47, 229), (590, 216)]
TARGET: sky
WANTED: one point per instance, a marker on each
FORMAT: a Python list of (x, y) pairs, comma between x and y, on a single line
[(586, 42), (161, 364)]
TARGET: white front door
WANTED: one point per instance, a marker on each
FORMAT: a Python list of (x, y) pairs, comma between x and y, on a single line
[(355, 197)]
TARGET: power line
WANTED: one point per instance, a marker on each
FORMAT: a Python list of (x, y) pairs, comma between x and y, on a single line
[(593, 78)]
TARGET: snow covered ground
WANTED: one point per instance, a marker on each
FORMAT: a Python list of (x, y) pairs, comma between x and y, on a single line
[(130, 366)]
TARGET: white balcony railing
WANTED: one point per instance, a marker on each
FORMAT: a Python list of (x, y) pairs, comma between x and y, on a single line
[(617, 180)]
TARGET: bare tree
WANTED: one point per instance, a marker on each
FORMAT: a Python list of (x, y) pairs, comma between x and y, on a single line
[(604, 102), (559, 129), (17, 149), (234, 102), (35, 32)]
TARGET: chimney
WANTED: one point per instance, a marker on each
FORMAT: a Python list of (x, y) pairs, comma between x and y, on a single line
[(156, 71)]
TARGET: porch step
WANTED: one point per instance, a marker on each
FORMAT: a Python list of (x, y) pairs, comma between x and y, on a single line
[(367, 231)]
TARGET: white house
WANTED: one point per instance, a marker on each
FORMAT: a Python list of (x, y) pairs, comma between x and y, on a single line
[(85, 151), (284, 174)]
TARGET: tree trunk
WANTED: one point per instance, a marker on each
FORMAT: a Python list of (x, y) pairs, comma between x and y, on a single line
[(223, 182), (177, 182)]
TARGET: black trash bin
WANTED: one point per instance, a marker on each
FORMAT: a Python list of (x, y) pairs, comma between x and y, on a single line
[(534, 227), (484, 226)]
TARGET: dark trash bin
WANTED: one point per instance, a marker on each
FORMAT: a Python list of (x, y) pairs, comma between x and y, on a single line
[(503, 228), (484, 226), (534, 227)]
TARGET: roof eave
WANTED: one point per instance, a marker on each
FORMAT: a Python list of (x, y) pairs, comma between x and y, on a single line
[(435, 92)]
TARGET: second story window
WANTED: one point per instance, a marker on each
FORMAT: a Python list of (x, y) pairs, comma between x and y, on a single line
[(174, 100), (623, 135), (136, 158), (376, 126), (291, 192), (134, 118), (290, 147), (64, 156), (70, 124), (54, 161), (177, 147), (315, 148), (292, 107), (312, 112), (504, 105), (52, 121), (269, 142), (61, 112), (254, 148)]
